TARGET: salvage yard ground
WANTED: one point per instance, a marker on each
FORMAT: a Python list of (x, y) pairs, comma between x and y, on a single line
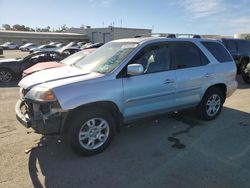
[(171, 150)]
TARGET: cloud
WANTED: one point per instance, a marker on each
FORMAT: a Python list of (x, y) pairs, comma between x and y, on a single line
[(101, 3), (237, 24), (200, 8), (228, 16)]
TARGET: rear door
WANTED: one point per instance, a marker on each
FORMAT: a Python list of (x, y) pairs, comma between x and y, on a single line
[(153, 91), (192, 72)]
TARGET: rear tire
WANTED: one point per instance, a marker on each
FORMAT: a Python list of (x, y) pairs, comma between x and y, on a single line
[(91, 131), (211, 104)]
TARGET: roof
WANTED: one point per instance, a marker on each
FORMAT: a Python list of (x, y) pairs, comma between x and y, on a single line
[(159, 39)]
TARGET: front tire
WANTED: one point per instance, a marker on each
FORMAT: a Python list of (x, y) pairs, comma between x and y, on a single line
[(211, 104), (5, 75), (91, 131)]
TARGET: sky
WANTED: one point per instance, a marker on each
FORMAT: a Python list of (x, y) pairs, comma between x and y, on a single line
[(225, 17)]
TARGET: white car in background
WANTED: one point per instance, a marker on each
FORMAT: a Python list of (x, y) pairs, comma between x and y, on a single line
[(27, 46), (45, 47), (68, 50), (9, 46)]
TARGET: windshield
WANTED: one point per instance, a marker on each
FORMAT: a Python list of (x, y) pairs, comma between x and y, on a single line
[(75, 57), (106, 58)]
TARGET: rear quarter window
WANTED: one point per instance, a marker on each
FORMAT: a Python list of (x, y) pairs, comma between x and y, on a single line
[(218, 51)]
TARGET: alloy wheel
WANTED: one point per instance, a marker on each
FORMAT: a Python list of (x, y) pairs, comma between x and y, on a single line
[(93, 133)]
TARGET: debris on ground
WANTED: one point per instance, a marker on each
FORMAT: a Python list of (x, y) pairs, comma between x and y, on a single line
[(36, 146)]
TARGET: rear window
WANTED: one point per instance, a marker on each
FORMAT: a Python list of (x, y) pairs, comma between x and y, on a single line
[(218, 51)]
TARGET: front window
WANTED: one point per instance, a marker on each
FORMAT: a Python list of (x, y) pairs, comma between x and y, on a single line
[(106, 58)]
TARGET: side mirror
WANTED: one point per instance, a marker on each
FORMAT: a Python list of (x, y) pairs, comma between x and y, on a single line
[(135, 69)]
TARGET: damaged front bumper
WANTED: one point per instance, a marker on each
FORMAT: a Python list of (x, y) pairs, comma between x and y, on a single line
[(43, 118)]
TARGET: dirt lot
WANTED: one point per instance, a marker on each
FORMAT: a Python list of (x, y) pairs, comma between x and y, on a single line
[(13, 54), (172, 150)]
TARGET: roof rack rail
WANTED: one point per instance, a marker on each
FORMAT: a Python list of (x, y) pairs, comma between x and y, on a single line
[(171, 36), (197, 36)]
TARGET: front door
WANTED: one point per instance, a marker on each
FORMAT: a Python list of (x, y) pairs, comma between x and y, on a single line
[(153, 91)]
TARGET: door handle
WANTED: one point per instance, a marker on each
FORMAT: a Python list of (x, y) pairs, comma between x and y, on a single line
[(169, 81)]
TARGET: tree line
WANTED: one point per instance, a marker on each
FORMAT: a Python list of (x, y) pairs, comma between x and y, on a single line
[(18, 27)]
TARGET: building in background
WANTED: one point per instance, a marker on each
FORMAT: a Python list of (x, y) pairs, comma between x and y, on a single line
[(216, 36), (242, 36), (22, 37), (93, 35), (107, 34)]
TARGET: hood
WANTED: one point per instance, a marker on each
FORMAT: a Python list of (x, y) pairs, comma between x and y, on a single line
[(42, 66), (60, 74)]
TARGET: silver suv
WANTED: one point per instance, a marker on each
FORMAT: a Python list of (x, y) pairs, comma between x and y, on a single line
[(123, 81)]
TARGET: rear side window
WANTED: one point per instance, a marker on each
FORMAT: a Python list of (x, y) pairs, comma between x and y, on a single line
[(186, 55), (218, 51), (244, 46)]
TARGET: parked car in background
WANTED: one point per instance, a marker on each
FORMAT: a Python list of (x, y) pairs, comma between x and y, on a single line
[(122, 81), (89, 45), (27, 47), (1, 51), (80, 44), (45, 47), (72, 44), (60, 45), (54, 43), (67, 61), (86, 45), (68, 50), (13, 68), (9, 46), (240, 50)]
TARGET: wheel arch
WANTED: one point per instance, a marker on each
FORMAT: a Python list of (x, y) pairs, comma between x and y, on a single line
[(222, 87), (106, 105)]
